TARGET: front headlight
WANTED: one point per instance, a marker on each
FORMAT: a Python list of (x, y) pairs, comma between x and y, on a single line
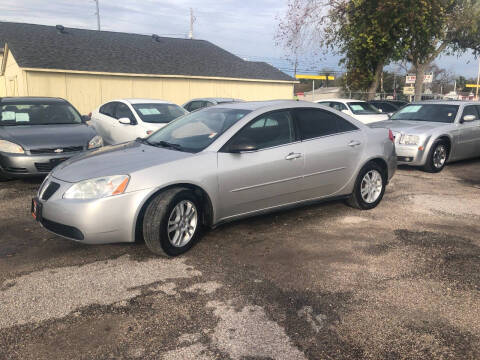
[(409, 139), (98, 188), (10, 147), (96, 142)]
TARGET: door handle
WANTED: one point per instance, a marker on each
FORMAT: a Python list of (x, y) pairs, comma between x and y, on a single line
[(354, 143), (293, 156)]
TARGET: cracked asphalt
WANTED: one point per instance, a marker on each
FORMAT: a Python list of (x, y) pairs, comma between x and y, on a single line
[(321, 282)]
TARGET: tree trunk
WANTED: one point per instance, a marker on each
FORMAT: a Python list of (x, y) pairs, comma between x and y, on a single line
[(420, 73), (372, 91)]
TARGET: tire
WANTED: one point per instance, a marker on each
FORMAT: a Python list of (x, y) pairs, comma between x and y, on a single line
[(364, 202), (435, 163), (165, 209)]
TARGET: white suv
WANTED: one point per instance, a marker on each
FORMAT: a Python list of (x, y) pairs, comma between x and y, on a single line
[(123, 120)]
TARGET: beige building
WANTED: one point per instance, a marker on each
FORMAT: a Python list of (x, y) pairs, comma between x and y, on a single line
[(90, 67)]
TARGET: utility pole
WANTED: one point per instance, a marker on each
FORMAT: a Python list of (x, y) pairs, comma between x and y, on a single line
[(478, 81), (192, 20), (98, 14), (381, 86)]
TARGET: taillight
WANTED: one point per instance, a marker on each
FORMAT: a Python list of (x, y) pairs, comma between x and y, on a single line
[(390, 135), (149, 132)]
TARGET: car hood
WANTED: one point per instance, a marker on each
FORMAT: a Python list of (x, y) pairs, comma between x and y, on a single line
[(48, 136), (119, 159), (410, 127)]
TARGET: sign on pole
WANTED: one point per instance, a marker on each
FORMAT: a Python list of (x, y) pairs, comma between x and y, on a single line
[(410, 79), (472, 85), (409, 90)]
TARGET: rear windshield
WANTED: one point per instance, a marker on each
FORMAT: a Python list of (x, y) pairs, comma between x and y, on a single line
[(362, 108), (158, 113), (17, 114), (385, 107), (427, 112)]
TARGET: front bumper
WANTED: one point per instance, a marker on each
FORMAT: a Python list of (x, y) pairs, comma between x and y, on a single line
[(411, 155), (98, 221), (25, 165)]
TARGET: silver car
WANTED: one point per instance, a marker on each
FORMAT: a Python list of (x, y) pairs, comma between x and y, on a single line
[(431, 133), (200, 103), (38, 133), (215, 165)]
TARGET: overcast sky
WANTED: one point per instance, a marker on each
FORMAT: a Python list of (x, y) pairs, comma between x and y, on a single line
[(244, 27)]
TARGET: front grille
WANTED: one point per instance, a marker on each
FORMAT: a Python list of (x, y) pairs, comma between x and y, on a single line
[(44, 167), (57, 150), (63, 230), (50, 190)]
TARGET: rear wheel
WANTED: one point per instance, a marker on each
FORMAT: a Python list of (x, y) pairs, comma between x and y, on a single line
[(171, 224), (369, 187), (437, 158)]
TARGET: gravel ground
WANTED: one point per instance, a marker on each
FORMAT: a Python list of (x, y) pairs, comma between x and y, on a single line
[(322, 282)]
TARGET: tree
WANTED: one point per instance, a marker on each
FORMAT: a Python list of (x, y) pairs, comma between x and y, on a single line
[(436, 26), (364, 32)]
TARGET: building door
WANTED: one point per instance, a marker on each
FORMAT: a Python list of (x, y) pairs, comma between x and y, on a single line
[(12, 89)]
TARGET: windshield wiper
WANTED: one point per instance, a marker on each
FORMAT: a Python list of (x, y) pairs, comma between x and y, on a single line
[(167, 145)]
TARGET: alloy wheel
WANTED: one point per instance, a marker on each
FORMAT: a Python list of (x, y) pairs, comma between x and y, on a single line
[(182, 223), (371, 186), (439, 156)]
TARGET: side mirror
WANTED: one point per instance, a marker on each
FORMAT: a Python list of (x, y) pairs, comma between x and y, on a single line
[(85, 118), (468, 118), (239, 148), (125, 121)]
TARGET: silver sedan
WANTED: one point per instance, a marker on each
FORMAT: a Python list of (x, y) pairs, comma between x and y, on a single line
[(431, 133), (216, 165)]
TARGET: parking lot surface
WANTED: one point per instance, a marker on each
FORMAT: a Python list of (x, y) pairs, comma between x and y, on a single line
[(321, 282)]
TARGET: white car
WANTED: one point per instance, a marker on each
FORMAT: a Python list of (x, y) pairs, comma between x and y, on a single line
[(124, 120), (358, 109)]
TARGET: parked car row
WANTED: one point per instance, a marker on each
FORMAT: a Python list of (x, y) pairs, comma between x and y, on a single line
[(28, 149), (215, 164)]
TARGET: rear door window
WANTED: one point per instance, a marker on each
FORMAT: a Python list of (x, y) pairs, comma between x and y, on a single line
[(197, 104), (107, 109), (314, 123)]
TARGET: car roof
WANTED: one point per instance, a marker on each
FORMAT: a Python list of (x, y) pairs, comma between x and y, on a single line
[(31, 99), (218, 99), (339, 100), (144, 101), (446, 102), (256, 105)]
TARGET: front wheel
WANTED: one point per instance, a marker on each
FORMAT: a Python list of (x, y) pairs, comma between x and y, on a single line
[(437, 158), (171, 224), (369, 187)]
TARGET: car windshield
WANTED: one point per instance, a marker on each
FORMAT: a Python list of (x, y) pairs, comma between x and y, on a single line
[(195, 131), (158, 113), (427, 112), (37, 113), (362, 108)]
